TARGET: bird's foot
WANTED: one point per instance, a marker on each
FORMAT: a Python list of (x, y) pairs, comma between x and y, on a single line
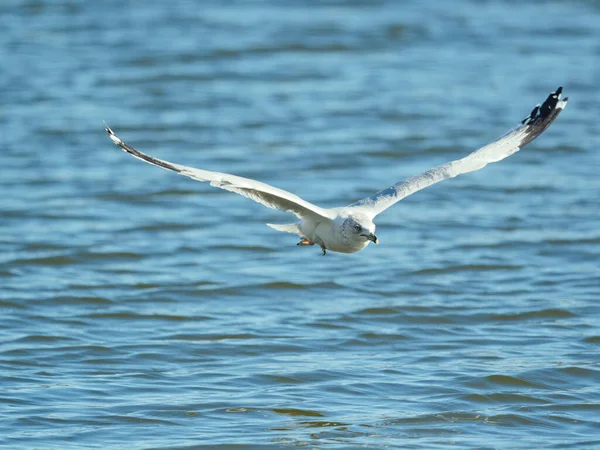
[(305, 241), (324, 250)]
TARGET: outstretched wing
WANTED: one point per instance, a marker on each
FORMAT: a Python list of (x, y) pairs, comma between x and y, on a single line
[(531, 127), (262, 193)]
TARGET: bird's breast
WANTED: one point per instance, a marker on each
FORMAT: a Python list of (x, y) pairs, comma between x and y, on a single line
[(333, 239)]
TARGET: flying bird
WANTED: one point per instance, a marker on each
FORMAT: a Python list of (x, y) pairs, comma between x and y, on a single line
[(349, 229)]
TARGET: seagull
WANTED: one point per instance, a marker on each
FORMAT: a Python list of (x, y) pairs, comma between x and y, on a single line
[(349, 229)]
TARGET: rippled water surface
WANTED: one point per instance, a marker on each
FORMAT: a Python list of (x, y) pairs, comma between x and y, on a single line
[(143, 310)]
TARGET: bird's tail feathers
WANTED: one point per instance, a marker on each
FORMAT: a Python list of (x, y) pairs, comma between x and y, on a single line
[(286, 228)]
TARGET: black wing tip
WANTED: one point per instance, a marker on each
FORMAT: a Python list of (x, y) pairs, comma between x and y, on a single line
[(544, 110), (140, 155), (113, 137), (108, 130)]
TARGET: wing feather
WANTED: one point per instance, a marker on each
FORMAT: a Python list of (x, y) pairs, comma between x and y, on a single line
[(262, 193), (531, 127)]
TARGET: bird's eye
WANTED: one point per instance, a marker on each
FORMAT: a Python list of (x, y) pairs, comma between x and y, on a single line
[(357, 227)]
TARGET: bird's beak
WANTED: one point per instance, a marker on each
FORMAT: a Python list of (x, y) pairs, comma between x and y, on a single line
[(371, 237)]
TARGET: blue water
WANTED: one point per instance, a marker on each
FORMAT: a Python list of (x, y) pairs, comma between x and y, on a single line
[(143, 310)]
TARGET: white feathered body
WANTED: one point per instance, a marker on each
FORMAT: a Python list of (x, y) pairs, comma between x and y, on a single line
[(329, 233)]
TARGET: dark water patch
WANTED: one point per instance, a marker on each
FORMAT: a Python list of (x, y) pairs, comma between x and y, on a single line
[(247, 248), (19, 363), (62, 260), (74, 300), (516, 420), (381, 311), (575, 405), (548, 378), (521, 189), (146, 286), (297, 412), (577, 444), (505, 398), (321, 424), (565, 420), (491, 381), (44, 216), (85, 256), (40, 246), (497, 245), (297, 286), (329, 326), (332, 164), (128, 198), (92, 287), (14, 402), (592, 339), (384, 337), (109, 362), (162, 227), (213, 76), (88, 349), (578, 241), (433, 419), (76, 258), (580, 372), (127, 315), (540, 314), (12, 304), (402, 315), (467, 268), (211, 337), (174, 192), (210, 289), (298, 47), (134, 420), (280, 379), (267, 343), (53, 421), (42, 339), (286, 443)]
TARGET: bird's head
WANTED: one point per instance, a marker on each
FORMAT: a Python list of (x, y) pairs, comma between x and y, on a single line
[(359, 228)]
